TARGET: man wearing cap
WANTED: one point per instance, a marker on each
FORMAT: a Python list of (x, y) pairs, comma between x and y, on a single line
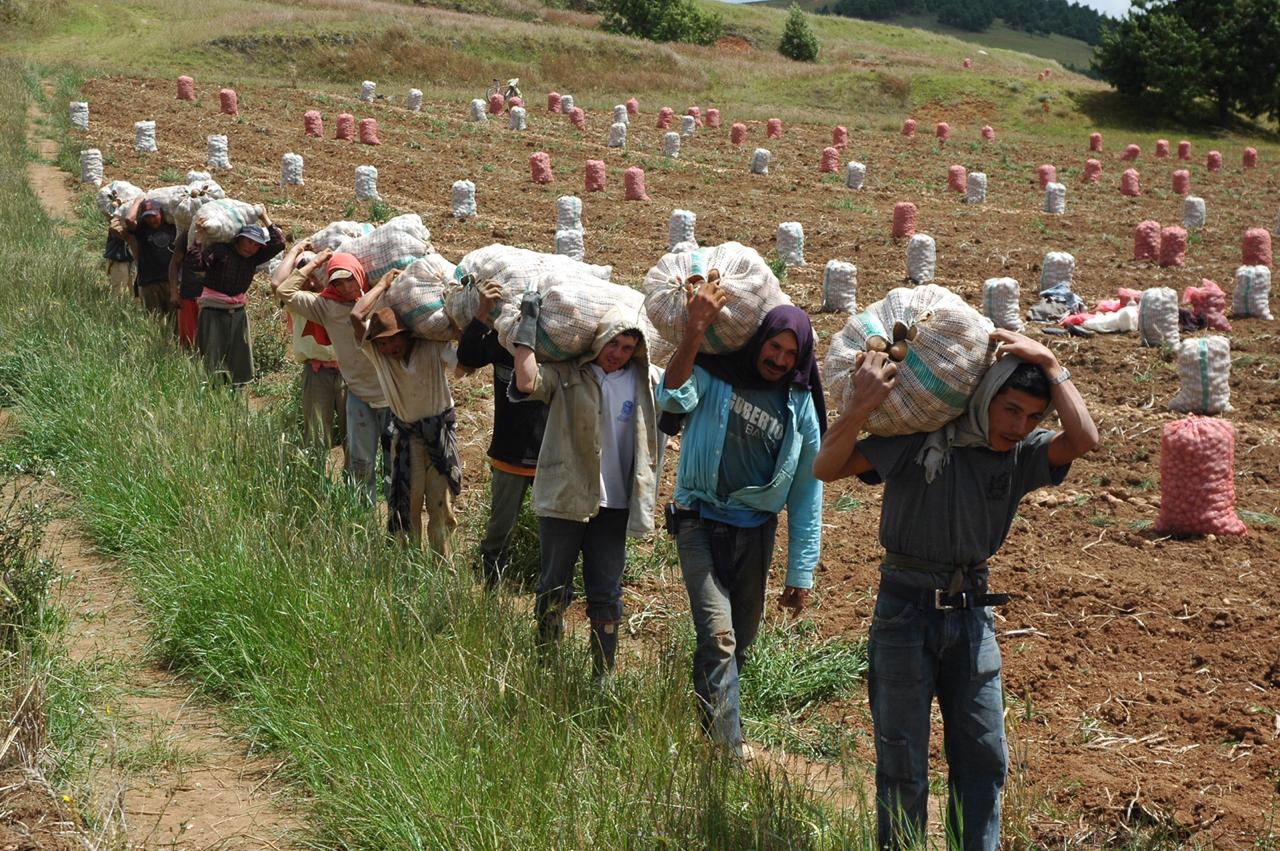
[(150, 239), (950, 497), (597, 471), (327, 315), (755, 422), (517, 436), (425, 469), (222, 331), (324, 417)]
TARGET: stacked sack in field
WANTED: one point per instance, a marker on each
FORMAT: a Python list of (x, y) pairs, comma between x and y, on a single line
[(221, 219), (393, 245), (749, 283), (1197, 478), (335, 235), (573, 304), (115, 196), (1204, 370), (943, 348), (517, 269), (417, 296)]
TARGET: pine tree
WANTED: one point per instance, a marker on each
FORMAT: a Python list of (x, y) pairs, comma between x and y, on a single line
[(798, 41)]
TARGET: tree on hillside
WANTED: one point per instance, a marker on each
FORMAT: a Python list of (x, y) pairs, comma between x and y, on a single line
[(662, 20), (1181, 53), (798, 41)]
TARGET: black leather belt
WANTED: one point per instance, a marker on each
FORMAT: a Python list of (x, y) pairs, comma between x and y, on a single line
[(938, 598)]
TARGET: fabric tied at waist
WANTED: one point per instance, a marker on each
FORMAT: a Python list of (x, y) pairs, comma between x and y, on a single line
[(440, 435), (959, 572)]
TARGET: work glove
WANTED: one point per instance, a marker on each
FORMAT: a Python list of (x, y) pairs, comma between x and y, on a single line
[(527, 331)]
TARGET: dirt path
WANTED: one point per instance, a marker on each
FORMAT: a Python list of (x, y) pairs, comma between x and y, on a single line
[(173, 778)]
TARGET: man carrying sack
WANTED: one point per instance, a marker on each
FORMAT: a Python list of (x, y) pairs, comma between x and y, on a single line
[(597, 471), (949, 499), (755, 422), (426, 469), (517, 436)]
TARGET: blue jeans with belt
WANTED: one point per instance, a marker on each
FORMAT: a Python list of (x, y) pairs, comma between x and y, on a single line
[(915, 653), (727, 605), (366, 426)]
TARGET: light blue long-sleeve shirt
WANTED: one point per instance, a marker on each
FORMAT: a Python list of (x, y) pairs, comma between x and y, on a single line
[(707, 401)]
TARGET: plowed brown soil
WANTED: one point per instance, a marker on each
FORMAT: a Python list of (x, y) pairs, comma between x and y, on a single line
[(1143, 673)]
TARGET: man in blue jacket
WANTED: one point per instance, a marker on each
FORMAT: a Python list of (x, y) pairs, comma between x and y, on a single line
[(755, 422)]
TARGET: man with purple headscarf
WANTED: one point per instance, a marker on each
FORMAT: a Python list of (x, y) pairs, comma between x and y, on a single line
[(755, 423)]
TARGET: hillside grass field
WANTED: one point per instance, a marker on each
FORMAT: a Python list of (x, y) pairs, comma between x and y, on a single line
[(405, 704)]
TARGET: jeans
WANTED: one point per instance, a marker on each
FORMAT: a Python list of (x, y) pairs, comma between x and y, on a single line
[(602, 541), (915, 653), (725, 619), (506, 496), (365, 427)]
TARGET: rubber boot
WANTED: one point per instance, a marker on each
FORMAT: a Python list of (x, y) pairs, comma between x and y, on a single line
[(604, 651)]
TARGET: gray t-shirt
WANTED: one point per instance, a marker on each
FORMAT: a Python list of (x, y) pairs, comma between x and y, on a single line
[(964, 515)]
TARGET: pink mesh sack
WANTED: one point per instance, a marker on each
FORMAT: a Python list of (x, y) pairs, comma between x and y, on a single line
[(1197, 484)]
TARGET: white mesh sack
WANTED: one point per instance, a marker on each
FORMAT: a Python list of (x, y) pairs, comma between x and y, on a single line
[(568, 213), (1204, 370), (417, 296), (572, 306), (1252, 294), (196, 176), (922, 258), (1192, 212), (947, 351), (855, 175), (569, 243), (760, 161), (144, 137), (620, 115), (1158, 317), (680, 228), (463, 197), (393, 245), (116, 195), (1000, 303), (1058, 267), (516, 269), (220, 219), (617, 135), (79, 112), (218, 155), (479, 110), (335, 235), (169, 197), (566, 104), (198, 194), (367, 90), (291, 170), (366, 183), (517, 118), (750, 284), (790, 243), (671, 144), (975, 188), (413, 102), (840, 286), (91, 166), (1055, 199), (688, 125)]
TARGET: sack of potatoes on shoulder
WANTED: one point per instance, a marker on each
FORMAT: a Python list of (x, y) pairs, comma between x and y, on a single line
[(942, 347)]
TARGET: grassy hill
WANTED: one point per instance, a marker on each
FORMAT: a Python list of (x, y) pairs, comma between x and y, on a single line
[(1069, 52)]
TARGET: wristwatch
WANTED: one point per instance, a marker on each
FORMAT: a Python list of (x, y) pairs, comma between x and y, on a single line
[(1064, 375)]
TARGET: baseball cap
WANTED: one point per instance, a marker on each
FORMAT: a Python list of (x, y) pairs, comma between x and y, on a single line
[(255, 233), (339, 274), (149, 208)]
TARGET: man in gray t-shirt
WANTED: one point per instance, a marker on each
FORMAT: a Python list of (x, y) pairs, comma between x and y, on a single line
[(949, 500)]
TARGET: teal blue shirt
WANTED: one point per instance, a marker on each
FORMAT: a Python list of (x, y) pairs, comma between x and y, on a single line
[(707, 401)]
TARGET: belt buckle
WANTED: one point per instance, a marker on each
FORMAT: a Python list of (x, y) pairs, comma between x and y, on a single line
[(940, 606)]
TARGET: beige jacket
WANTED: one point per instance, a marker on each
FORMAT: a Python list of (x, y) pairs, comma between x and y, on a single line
[(567, 486)]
